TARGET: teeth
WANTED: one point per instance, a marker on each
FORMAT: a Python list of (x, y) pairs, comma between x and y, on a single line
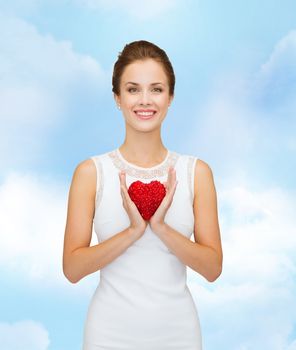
[(145, 113)]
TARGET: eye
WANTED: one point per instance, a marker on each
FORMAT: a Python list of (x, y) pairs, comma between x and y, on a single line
[(132, 89), (158, 89)]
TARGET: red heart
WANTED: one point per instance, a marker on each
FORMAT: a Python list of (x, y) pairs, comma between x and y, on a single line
[(147, 196)]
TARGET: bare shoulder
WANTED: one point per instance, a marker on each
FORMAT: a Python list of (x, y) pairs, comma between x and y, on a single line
[(85, 175), (86, 167), (203, 175), (202, 167)]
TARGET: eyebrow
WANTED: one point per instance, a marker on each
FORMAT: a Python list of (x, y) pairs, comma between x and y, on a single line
[(133, 83)]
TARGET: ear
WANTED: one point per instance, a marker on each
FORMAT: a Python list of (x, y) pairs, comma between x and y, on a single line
[(171, 99), (116, 98)]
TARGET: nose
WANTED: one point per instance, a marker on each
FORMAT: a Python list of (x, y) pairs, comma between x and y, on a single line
[(145, 97)]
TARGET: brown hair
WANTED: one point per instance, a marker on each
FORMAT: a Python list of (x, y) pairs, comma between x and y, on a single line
[(141, 50)]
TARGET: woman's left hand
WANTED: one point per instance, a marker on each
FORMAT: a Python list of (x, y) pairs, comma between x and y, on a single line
[(170, 185)]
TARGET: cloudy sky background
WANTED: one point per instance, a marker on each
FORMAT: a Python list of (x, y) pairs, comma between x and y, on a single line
[(234, 107)]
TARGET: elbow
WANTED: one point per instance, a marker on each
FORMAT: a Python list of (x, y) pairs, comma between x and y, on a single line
[(214, 276), (216, 269), (71, 277)]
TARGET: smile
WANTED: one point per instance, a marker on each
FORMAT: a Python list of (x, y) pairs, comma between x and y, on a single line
[(145, 114)]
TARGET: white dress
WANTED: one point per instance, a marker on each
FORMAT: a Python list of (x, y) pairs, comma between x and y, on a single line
[(142, 301)]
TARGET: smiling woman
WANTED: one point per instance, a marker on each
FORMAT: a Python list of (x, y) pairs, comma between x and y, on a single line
[(142, 98), (142, 300)]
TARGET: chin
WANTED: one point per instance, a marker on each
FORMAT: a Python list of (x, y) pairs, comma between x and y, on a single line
[(144, 125), (144, 128)]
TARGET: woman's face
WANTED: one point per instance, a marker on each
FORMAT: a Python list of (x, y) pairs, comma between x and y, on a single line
[(144, 94)]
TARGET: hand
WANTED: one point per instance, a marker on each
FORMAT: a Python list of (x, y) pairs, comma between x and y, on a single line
[(170, 185), (137, 223)]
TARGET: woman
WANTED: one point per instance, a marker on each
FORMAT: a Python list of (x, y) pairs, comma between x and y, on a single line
[(142, 300)]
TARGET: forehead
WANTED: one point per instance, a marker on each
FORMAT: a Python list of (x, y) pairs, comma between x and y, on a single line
[(144, 71)]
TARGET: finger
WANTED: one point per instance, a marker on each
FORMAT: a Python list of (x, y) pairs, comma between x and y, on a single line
[(123, 183), (124, 191), (171, 177), (171, 193), (174, 187), (123, 195), (165, 203), (126, 195), (167, 183), (120, 182), (123, 187), (170, 172), (122, 177)]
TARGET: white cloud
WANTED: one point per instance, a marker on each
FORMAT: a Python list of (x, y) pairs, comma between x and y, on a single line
[(141, 10), (26, 334), (227, 128), (20, 7), (252, 304), (283, 57), (275, 84), (247, 117), (31, 226), (24, 8), (39, 77), (261, 229), (292, 345), (33, 218)]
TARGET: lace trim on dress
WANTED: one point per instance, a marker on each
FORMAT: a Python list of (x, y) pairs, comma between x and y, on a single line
[(149, 173)]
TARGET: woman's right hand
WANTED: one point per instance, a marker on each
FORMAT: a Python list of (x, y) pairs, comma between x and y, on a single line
[(137, 223)]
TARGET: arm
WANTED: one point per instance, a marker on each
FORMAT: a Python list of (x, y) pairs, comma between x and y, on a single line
[(79, 259), (205, 254)]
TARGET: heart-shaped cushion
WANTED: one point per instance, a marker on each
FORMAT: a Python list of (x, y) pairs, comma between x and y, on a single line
[(147, 196)]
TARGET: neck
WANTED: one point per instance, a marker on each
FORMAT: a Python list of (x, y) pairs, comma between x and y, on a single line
[(143, 149)]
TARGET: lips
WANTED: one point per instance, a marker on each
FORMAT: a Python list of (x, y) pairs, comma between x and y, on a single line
[(145, 113)]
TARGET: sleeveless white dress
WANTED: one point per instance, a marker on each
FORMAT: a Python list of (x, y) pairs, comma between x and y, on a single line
[(142, 301)]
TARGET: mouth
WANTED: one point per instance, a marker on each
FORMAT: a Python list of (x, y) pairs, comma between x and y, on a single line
[(145, 114)]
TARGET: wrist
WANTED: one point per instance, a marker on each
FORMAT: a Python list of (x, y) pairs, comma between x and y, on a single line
[(136, 232), (159, 227)]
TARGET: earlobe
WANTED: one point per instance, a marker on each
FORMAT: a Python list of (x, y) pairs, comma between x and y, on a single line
[(116, 98)]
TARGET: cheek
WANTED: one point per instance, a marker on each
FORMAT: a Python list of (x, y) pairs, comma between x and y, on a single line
[(163, 102), (162, 98), (129, 100)]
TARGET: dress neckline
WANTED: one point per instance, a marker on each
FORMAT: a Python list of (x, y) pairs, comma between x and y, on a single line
[(140, 167), (136, 171)]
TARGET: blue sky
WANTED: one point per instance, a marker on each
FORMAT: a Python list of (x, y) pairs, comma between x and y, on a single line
[(234, 107)]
